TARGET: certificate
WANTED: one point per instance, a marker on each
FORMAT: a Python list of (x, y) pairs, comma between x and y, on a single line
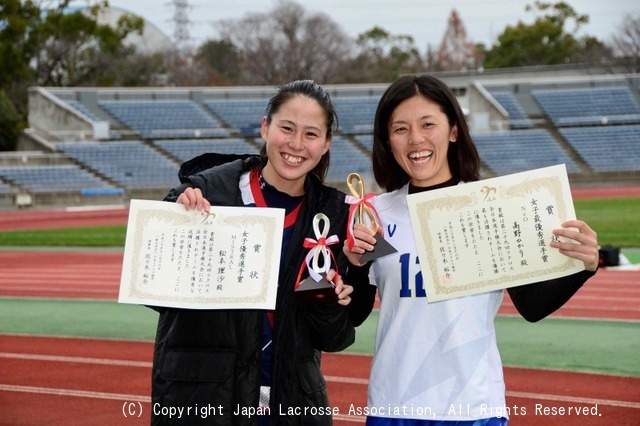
[(492, 234), (227, 258)]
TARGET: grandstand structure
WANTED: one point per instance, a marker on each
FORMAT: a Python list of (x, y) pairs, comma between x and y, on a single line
[(96, 146)]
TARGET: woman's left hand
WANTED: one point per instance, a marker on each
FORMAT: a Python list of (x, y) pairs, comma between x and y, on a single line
[(584, 246), (342, 290)]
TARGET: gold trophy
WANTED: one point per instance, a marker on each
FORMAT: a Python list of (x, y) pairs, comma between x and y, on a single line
[(362, 211)]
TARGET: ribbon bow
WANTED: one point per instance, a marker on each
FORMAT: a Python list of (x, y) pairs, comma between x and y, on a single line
[(360, 208), (319, 249)]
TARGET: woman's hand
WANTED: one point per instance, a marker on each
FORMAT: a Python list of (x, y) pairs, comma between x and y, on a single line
[(192, 199), (584, 246), (342, 290), (364, 241)]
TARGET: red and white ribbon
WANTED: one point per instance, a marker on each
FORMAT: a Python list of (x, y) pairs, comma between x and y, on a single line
[(358, 205), (318, 249)]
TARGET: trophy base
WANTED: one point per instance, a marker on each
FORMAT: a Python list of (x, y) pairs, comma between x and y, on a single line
[(311, 291), (382, 248)]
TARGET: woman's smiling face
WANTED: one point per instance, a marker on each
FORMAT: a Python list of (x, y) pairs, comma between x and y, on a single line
[(419, 136), (296, 140)]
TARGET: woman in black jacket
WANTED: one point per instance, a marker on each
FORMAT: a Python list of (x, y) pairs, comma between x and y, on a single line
[(250, 367)]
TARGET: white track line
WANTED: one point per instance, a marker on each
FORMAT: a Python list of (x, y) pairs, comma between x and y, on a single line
[(75, 359), (333, 379), (574, 399), (77, 393)]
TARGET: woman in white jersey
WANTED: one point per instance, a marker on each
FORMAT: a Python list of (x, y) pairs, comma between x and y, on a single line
[(438, 363)]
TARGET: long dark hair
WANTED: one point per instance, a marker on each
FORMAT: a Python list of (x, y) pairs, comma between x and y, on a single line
[(462, 156), (314, 91)]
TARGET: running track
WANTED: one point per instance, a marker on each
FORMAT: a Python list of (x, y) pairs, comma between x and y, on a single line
[(68, 381)]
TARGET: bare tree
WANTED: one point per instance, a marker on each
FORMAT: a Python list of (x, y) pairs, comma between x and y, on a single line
[(456, 52), (627, 40), (287, 43)]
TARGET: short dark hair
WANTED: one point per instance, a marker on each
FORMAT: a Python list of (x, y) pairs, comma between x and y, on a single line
[(462, 156), (314, 91)]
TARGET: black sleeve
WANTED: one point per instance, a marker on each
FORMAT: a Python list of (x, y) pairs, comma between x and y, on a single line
[(331, 328), (173, 195), (538, 300), (333, 325), (363, 295)]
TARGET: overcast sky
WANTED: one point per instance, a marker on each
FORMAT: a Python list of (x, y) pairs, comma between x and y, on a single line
[(424, 20)]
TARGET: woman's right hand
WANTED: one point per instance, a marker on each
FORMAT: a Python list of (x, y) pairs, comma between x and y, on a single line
[(363, 241), (192, 199)]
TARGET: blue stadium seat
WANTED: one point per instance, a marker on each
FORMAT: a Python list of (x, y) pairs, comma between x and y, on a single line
[(517, 117), (131, 164), (346, 158), (245, 115), (356, 114), (589, 106), (83, 110), (52, 178), (366, 140), (185, 149), (165, 118), (606, 148), (514, 151), (5, 188)]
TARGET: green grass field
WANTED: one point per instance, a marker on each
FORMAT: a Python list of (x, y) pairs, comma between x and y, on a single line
[(616, 220), (581, 345)]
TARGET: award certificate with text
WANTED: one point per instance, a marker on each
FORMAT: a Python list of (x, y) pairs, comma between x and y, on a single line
[(492, 234), (227, 258)]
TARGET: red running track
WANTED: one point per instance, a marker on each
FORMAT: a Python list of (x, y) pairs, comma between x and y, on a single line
[(72, 381), (51, 219), (610, 294)]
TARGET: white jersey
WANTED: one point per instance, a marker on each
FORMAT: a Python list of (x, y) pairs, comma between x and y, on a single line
[(433, 361)]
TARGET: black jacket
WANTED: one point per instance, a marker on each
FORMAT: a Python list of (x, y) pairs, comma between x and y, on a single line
[(211, 358)]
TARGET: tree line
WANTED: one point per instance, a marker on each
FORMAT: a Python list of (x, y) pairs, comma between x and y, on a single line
[(47, 43)]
